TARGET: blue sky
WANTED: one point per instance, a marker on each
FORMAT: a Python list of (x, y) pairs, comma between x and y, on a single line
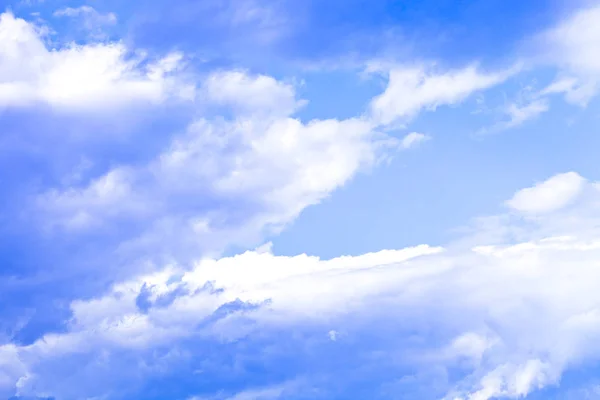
[(245, 199)]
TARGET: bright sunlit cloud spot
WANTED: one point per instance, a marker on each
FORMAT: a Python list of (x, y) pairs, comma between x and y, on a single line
[(92, 77)]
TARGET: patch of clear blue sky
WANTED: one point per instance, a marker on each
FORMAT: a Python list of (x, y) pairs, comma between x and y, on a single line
[(427, 192), (454, 31)]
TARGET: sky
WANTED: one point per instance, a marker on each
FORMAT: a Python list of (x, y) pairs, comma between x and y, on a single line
[(317, 199)]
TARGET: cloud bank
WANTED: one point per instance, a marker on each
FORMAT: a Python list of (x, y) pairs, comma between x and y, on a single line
[(508, 317)]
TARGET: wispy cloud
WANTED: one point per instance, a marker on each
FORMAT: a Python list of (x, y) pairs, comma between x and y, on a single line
[(413, 139), (412, 89), (91, 17), (527, 105)]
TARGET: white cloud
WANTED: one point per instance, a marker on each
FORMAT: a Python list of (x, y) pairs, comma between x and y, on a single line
[(260, 168), (572, 45), (81, 208), (333, 335), (11, 368), (550, 195), (512, 381), (247, 93), (575, 37), (470, 345), (413, 139), (561, 85), (521, 313), (411, 89), (113, 323), (92, 77), (518, 114)]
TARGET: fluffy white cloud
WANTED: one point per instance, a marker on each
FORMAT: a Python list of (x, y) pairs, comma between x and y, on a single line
[(576, 36), (411, 89), (248, 94), (519, 313), (550, 195), (92, 77), (572, 45)]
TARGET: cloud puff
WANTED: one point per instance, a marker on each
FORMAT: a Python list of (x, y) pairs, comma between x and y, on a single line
[(572, 45), (411, 89), (550, 195), (505, 318), (247, 93), (91, 77)]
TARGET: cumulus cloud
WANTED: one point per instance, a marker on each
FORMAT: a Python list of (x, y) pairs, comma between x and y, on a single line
[(571, 45), (91, 77), (509, 317), (550, 195)]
